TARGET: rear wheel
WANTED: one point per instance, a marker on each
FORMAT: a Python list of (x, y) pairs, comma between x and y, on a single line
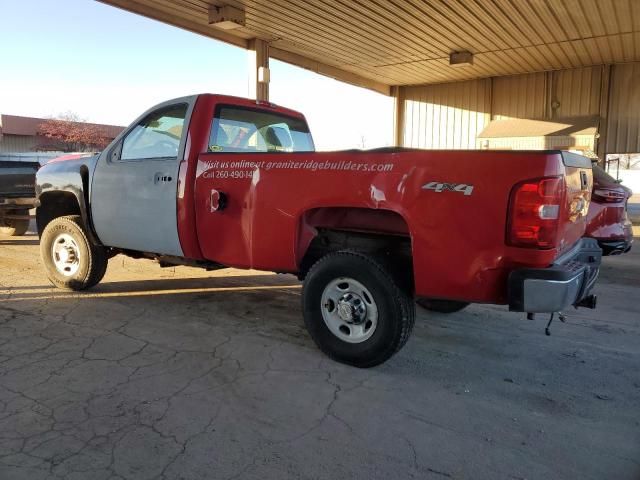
[(355, 310), (12, 227), (71, 260), (441, 306)]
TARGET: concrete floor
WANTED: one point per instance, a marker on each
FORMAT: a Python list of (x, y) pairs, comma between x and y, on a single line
[(177, 373)]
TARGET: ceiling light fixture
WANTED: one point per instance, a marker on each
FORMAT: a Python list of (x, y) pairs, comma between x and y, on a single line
[(226, 17), (461, 59)]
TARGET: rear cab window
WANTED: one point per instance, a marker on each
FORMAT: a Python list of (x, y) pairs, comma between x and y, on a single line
[(243, 129)]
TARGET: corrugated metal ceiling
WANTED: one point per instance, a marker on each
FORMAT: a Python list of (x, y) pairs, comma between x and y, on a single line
[(404, 42)]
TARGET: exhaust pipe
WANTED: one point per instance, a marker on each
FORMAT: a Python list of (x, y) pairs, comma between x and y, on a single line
[(589, 301)]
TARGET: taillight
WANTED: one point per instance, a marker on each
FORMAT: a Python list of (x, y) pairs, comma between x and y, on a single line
[(534, 210), (608, 196)]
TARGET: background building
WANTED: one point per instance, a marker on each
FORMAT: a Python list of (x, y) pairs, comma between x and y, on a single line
[(23, 134)]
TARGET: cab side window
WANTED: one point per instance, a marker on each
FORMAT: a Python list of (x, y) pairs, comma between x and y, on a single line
[(157, 136), (241, 129)]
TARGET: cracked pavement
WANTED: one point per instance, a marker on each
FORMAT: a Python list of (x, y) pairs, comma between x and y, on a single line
[(184, 374)]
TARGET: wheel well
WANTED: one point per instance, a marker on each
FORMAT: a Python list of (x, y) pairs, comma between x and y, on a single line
[(393, 251), (54, 205), (381, 233)]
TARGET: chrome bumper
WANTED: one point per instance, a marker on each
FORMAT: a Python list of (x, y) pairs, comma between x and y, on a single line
[(565, 283), (17, 202)]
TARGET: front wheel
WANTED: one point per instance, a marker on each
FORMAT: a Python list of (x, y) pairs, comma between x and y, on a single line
[(71, 260), (355, 310)]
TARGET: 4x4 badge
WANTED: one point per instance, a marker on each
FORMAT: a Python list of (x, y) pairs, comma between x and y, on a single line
[(454, 187)]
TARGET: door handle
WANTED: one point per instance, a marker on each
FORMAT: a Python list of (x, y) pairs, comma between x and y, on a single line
[(218, 201), (161, 178)]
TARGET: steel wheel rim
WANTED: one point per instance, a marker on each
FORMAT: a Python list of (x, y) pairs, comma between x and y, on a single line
[(349, 310), (65, 254)]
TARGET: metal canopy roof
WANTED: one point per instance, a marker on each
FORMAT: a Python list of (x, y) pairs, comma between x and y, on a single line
[(380, 43)]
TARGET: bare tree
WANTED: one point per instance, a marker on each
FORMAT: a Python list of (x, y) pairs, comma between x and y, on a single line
[(70, 133)]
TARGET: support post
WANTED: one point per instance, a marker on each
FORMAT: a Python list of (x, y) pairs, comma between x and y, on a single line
[(398, 115), (259, 76), (605, 89), (550, 94)]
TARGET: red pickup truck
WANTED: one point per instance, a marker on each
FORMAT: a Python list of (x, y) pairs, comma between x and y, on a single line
[(217, 181)]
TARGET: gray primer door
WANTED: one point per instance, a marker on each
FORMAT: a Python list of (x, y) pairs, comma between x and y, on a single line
[(133, 192)]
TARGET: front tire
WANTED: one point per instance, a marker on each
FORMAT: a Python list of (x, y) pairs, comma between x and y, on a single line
[(355, 310), (71, 260)]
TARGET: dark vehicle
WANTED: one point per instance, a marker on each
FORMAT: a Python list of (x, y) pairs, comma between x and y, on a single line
[(608, 221), (17, 195)]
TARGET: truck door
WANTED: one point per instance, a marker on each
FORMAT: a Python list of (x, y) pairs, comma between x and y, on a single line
[(236, 167), (133, 194)]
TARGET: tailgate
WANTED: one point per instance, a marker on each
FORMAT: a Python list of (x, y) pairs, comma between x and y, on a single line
[(17, 179), (579, 184)]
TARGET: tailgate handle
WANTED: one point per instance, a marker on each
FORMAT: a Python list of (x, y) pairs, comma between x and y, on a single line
[(584, 181)]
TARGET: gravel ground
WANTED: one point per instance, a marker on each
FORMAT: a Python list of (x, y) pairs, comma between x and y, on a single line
[(180, 373)]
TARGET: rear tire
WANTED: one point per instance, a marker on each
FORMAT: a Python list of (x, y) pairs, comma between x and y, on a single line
[(354, 309), (442, 306), (13, 227), (71, 260)]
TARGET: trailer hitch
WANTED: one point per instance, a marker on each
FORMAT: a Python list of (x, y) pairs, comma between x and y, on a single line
[(561, 317)]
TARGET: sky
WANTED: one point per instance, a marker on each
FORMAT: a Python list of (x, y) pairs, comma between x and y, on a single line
[(109, 66)]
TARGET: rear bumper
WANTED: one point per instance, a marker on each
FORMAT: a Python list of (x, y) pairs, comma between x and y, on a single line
[(614, 239), (14, 208), (615, 247), (565, 283), (12, 202)]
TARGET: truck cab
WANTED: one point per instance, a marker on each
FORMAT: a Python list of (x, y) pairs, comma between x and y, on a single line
[(217, 181), (147, 165)]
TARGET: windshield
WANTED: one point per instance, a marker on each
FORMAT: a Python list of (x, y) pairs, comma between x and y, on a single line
[(601, 176)]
